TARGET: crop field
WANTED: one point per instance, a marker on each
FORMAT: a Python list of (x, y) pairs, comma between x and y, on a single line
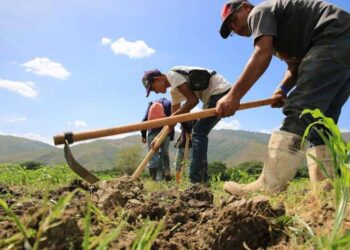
[(49, 208)]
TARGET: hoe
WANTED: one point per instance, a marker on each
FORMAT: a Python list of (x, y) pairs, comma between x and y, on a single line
[(69, 137)]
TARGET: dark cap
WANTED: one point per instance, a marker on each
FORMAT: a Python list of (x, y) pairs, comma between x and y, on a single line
[(226, 12), (147, 79)]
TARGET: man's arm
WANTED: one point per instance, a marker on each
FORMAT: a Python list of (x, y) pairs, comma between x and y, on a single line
[(288, 82), (145, 118), (256, 66), (175, 107), (191, 100)]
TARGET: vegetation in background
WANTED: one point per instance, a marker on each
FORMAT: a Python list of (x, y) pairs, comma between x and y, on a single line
[(128, 159), (296, 199)]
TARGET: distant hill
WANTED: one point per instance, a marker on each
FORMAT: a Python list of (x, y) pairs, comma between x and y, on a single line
[(229, 146)]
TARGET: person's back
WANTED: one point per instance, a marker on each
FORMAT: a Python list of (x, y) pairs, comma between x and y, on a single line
[(297, 24), (217, 84), (156, 111)]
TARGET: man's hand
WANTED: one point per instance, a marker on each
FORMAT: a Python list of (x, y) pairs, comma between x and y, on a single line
[(227, 106), (153, 144), (279, 97)]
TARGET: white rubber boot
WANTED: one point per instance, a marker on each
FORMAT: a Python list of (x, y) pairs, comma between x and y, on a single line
[(316, 174), (282, 163)]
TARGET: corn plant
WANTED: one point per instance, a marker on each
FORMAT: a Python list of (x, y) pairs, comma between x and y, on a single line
[(340, 155)]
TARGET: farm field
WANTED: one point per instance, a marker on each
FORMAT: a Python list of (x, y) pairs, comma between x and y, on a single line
[(49, 208)]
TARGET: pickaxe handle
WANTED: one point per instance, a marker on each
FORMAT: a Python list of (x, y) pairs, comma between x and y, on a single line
[(159, 140), (80, 136)]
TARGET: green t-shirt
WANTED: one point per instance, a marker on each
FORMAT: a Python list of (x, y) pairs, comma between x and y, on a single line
[(297, 24)]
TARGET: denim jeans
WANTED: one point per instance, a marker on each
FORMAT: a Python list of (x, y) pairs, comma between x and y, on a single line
[(199, 163), (323, 83), (160, 159)]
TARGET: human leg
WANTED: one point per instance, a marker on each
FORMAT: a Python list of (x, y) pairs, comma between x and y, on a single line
[(283, 161), (164, 159), (200, 131), (153, 164)]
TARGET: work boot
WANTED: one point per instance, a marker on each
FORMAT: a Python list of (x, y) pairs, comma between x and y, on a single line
[(167, 174), (153, 173), (316, 174), (178, 176), (282, 163)]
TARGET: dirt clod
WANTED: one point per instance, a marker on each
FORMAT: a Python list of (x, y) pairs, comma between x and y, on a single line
[(117, 192)]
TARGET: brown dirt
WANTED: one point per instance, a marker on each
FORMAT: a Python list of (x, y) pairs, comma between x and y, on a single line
[(191, 221)]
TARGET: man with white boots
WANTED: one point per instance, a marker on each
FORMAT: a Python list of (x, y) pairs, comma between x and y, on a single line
[(313, 38)]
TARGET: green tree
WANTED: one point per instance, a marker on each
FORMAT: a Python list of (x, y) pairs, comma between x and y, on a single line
[(31, 165), (128, 159), (251, 167), (217, 168)]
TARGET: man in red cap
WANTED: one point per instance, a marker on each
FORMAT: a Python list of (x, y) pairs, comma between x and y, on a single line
[(313, 38)]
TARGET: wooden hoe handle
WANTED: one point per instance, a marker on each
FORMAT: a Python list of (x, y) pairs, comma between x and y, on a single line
[(159, 140), (80, 136)]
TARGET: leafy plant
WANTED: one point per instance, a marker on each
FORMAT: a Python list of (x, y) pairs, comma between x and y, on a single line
[(339, 150)]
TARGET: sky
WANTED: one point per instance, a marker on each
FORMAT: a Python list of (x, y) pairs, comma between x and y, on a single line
[(77, 65)]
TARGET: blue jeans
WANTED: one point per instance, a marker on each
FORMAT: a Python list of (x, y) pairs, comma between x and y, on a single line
[(160, 159), (199, 163), (323, 83)]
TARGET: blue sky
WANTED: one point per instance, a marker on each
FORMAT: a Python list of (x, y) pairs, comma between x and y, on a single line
[(76, 65)]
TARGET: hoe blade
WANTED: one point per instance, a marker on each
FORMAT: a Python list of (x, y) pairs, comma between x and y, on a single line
[(77, 167)]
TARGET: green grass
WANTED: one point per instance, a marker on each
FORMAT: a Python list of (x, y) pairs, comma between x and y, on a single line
[(300, 205)]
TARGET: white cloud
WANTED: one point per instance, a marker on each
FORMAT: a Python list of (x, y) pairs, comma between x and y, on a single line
[(137, 49), (233, 124), (344, 130), (45, 67), (106, 41), (16, 119), (31, 136), (23, 88), (77, 124), (264, 131)]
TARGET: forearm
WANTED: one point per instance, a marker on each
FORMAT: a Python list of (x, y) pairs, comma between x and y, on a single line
[(290, 78), (186, 107)]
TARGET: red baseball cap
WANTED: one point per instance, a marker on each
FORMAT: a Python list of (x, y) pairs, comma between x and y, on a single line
[(226, 12)]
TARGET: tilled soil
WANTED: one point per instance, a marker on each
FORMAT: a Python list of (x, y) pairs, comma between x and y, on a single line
[(191, 221)]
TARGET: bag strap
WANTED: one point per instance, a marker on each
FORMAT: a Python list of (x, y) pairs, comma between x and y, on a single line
[(183, 72), (180, 71)]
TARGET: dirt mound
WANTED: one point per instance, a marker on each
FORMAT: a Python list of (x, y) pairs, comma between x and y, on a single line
[(77, 183), (5, 190), (191, 221), (235, 224), (117, 192), (232, 225)]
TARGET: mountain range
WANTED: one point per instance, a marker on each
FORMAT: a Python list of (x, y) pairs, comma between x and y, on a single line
[(229, 146)]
